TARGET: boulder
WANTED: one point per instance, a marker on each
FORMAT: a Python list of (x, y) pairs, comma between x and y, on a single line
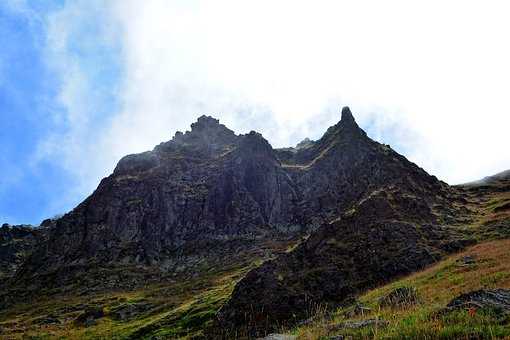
[(89, 316), (497, 300)]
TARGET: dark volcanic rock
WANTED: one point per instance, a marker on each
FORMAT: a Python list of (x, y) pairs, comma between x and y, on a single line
[(494, 300), (16, 244), (196, 199), (47, 320), (89, 316), (209, 197), (392, 224), (384, 237)]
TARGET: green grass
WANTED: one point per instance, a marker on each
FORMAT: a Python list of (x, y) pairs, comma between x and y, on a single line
[(177, 310), (436, 286)]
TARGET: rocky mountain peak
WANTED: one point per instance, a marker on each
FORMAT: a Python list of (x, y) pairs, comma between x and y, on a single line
[(255, 142), (347, 121), (347, 115), (205, 122), (307, 142), (208, 127), (207, 134), (346, 132)]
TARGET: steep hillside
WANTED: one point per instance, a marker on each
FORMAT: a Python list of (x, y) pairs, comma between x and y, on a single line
[(205, 197), (397, 219), (387, 235), (208, 195), (481, 268), (489, 203), (391, 232), (214, 234), (16, 244)]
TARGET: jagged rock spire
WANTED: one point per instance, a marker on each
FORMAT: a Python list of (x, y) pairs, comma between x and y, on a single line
[(347, 116), (206, 131), (348, 124), (204, 122)]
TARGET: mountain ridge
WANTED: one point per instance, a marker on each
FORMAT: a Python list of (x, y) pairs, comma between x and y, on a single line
[(302, 227)]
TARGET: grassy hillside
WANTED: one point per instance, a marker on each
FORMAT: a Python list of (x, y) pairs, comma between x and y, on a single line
[(436, 287), (182, 308)]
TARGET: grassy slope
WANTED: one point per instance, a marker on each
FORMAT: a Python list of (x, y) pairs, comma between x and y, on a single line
[(177, 309), (488, 219), (436, 286), (182, 309)]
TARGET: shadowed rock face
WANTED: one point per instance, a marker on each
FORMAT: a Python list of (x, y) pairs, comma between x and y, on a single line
[(209, 195), (388, 234), (204, 195), (391, 221), (16, 244)]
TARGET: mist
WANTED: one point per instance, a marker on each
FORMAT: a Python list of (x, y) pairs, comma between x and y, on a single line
[(429, 79)]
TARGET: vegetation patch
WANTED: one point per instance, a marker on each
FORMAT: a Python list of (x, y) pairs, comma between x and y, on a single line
[(436, 286)]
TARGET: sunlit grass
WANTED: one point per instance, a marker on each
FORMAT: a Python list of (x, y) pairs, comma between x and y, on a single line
[(436, 287)]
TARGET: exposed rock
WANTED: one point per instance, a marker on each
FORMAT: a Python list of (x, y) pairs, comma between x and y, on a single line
[(16, 244), (89, 316), (502, 208), (206, 196), (495, 300), (400, 297), (47, 320), (209, 197), (387, 235), (467, 260), (305, 143)]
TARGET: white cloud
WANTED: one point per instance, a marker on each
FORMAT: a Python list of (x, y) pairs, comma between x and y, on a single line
[(434, 71)]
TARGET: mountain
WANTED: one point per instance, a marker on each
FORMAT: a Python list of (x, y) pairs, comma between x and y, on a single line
[(215, 234), (209, 193), (186, 205), (393, 219)]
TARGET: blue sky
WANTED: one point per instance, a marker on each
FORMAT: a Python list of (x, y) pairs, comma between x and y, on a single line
[(34, 187), (85, 82), (27, 96)]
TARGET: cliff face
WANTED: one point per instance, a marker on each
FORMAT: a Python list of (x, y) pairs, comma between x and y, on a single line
[(16, 244), (209, 197), (196, 200), (388, 234), (392, 218)]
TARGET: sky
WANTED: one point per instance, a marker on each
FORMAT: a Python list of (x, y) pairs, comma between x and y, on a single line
[(85, 82)]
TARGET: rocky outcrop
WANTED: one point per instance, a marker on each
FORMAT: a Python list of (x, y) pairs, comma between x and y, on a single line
[(16, 244), (391, 220), (388, 234), (489, 300), (209, 197), (205, 197)]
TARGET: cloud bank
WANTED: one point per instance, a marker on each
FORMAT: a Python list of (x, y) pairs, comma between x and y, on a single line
[(429, 78)]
